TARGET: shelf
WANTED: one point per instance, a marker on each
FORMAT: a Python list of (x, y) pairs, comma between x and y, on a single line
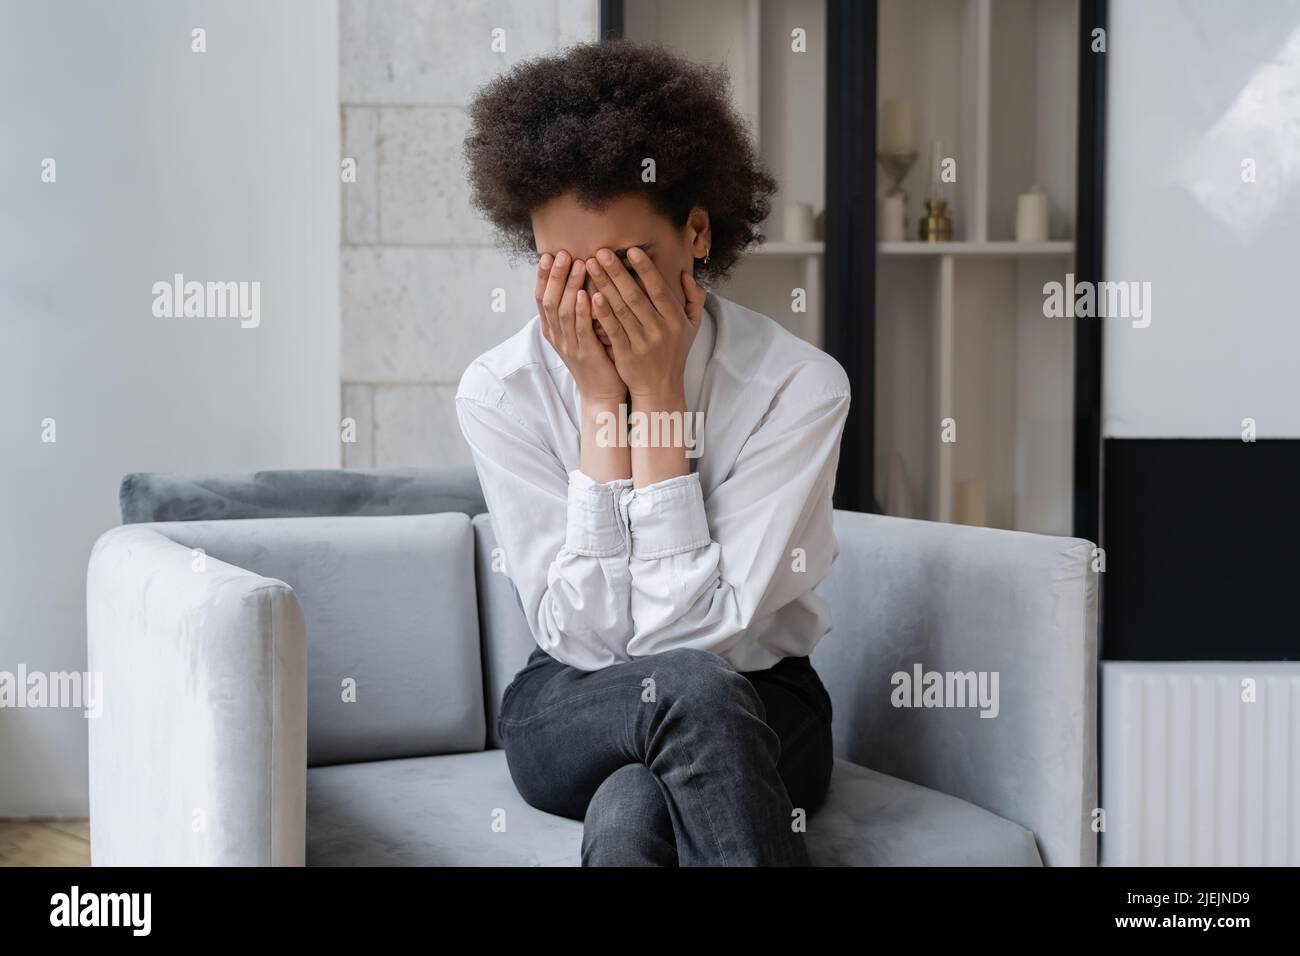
[(974, 387), (1009, 248), (770, 85), (812, 248)]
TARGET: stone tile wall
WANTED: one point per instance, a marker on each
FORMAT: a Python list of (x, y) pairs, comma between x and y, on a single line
[(418, 264)]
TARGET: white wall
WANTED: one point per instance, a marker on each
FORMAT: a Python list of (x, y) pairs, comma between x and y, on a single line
[(1195, 87), (221, 166)]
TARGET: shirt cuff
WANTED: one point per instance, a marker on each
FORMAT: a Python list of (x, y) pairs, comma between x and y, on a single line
[(668, 517), (595, 525)]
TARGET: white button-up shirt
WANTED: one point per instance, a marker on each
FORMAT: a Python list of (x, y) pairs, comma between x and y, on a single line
[(725, 558)]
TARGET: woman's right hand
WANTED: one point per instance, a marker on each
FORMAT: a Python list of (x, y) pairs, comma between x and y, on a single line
[(565, 311)]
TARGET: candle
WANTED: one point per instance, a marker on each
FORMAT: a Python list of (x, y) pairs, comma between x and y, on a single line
[(800, 222), (896, 126), (1031, 216), (891, 218)]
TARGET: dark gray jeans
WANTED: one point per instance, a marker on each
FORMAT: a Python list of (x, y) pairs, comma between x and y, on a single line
[(673, 759)]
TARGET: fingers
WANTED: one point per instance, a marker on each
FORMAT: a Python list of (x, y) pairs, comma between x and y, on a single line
[(613, 310), (631, 306), (654, 283), (543, 274), (559, 278), (553, 291), (634, 318), (577, 276), (588, 344), (555, 279), (618, 339)]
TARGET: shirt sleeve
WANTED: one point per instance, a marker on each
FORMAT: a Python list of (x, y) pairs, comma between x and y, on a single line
[(562, 535), (703, 571)]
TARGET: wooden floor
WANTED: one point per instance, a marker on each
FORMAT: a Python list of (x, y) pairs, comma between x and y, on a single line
[(44, 843)]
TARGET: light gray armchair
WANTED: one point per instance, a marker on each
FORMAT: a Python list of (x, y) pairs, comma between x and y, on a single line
[(292, 686)]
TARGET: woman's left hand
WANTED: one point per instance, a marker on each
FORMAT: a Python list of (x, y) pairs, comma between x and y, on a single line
[(650, 334)]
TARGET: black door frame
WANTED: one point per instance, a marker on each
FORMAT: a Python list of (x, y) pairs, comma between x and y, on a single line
[(611, 19), (1089, 263), (850, 251)]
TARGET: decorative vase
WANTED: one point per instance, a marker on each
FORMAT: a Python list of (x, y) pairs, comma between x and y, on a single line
[(935, 225)]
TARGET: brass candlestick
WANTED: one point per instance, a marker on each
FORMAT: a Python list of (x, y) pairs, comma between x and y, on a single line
[(935, 225)]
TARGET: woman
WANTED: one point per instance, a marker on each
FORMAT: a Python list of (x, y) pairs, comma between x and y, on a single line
[(658, 462)]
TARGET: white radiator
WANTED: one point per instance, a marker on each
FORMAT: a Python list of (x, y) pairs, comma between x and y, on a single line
[(1192, 774)]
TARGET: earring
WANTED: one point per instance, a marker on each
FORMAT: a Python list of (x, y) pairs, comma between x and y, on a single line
[(706, 256)]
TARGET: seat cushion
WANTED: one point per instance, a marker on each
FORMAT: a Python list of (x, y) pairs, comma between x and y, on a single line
[(872, 819), (431, 811), (440, 811)]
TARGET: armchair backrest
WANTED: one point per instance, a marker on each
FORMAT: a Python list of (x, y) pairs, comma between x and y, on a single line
[(298, 492), (389, 604), (507, 641)]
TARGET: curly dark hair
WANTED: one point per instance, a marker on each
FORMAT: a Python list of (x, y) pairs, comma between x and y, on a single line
[(584, 119)]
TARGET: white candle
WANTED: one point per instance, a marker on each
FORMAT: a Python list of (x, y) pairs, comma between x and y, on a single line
[(800, 222), (1031, 216), (891, 218), (896, 126)]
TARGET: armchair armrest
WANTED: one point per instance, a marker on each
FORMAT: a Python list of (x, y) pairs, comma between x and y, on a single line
[(960, 600), (204, 672)]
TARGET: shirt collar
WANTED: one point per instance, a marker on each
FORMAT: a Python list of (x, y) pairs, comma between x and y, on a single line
[(697, 360)]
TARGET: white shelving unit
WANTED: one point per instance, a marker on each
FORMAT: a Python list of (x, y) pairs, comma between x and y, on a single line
[(960, 330), (780, 93), (1059, 247), (789, 249)]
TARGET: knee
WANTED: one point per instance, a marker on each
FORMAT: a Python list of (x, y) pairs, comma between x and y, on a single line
[(627, 822), (695, 680), (630, 793)]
